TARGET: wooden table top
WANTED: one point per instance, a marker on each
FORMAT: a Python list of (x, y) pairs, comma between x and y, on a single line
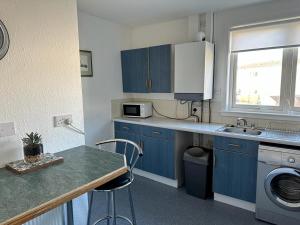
[(24, 197)]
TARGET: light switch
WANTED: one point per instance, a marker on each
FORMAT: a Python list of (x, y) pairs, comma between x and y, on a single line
[(7, 129)]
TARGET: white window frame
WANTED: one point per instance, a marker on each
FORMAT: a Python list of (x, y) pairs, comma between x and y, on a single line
[(287, 89)]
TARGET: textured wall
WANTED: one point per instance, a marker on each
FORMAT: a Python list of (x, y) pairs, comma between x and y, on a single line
[(40, 76), (105, 39), (175, 31)]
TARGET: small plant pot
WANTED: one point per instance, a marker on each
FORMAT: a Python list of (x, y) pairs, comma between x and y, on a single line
[(33, 153)]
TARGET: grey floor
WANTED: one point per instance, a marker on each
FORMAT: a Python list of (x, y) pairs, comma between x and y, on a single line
[(159, 204)]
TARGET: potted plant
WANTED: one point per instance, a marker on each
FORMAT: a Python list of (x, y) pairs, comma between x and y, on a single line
[(33, 147)]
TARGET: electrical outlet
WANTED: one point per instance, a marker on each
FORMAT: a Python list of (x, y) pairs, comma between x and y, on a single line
[(59, 121), (7, 129)]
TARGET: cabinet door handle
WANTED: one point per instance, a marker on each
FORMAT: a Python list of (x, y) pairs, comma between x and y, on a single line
[(214, 160), (156, 132), (142, 145), (147, 84), (150, 83), (126, 128), (234, 145)]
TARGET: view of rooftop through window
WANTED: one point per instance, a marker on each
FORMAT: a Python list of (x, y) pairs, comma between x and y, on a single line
[(258, 77), (297, 89)]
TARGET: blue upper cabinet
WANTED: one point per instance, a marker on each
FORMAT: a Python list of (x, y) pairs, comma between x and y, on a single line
[(147, 70), (160, 69), (135, 70)]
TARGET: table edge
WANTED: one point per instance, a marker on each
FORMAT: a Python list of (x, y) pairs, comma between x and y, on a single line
[(47, 206)]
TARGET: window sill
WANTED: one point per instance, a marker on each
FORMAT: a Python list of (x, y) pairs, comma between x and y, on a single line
[(261, 115)]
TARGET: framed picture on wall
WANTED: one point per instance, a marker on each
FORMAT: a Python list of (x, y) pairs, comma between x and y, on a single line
[(86, 64)]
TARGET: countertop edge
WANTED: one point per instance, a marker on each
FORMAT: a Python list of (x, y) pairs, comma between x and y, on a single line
[(213, 132), (45, 207)]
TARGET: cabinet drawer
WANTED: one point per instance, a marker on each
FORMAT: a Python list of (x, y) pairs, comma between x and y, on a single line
[(127, 127), (234, 144), (157, 132)]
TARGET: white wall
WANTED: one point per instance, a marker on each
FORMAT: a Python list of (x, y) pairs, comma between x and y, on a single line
[(40, 76), (173, 32), (105, 39)]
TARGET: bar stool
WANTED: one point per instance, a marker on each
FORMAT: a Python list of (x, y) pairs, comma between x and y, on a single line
[(132, 152)]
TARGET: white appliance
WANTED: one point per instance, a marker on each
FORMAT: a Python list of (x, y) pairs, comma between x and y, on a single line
[(193, 70), (278, 184), (137, 109)]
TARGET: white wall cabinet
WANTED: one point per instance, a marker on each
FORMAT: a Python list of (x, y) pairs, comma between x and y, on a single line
[(193, 75)]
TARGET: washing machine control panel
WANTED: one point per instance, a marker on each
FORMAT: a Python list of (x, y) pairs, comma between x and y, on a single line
[(273, 156), (291, 160)]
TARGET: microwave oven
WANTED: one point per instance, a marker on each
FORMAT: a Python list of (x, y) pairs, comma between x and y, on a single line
[(137, 109)]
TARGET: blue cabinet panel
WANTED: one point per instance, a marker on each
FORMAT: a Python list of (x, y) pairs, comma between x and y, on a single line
[(127, 127), (158, 156), (158, 132), (160, 69), (120, 148), (152, 160), (235, 174), (235, 168), (234, 144), (221, 175), (135, 70), (127, 71), (243, 185), (169, 157)]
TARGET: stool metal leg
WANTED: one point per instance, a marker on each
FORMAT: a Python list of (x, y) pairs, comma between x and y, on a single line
[(114, 208), (131, 206), (90, 208), (109, 199), (70, 217)]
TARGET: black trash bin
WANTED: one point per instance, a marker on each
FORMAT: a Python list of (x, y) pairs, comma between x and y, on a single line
[(198, 172)]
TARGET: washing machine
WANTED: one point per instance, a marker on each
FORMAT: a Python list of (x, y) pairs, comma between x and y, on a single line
[(278, 184)]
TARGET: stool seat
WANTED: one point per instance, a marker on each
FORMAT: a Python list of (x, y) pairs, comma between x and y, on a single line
[(116, 183), (132, 152)]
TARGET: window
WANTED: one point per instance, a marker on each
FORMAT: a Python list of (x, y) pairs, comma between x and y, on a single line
[(254, 70), (297, 89), (265, 69)]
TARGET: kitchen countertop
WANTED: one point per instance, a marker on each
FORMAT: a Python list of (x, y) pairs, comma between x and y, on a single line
[(23, 197), (269, 136)]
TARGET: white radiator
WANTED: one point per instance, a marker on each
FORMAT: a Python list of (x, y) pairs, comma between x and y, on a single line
[(53, 217), (57, 216)]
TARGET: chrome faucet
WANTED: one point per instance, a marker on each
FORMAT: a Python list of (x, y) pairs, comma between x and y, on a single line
[(238, 122)]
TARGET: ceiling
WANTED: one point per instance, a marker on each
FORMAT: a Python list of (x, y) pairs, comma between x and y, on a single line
[(142, 12)]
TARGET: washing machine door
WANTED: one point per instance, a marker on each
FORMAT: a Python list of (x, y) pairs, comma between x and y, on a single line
[(282, 186), (4, 40)]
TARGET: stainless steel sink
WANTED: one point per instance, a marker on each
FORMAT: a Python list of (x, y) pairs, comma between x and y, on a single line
[(242, 130)]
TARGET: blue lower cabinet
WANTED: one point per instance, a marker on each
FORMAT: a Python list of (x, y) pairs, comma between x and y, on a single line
[(158, 156), (129, 150), (235, 173), (158, 145), (221, 176)]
